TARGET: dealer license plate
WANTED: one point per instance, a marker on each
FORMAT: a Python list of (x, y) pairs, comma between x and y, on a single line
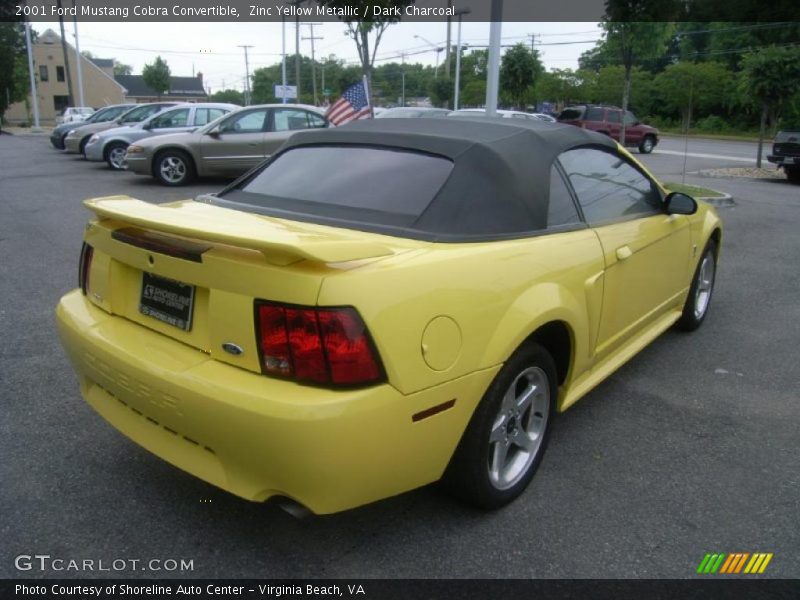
[(167, 300)]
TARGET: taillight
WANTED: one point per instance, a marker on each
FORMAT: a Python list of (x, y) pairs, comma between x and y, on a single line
[(316, 345), (84, 267)]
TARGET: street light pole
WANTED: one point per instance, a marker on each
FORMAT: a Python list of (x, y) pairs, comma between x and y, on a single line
[(34, 97), (283, 58), (438, 51), (78, 57), (312, 37), (493, 68)]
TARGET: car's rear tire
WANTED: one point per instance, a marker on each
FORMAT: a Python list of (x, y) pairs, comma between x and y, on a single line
[(506, 438), (698, 301), (173, 168), (115, 156), (792, 174), (647, 144)]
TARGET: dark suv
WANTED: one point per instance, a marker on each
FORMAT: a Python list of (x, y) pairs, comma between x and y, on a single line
[(786, 154), (608, 120)]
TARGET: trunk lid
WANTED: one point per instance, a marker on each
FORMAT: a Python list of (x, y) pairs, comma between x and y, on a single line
[(218, 260)]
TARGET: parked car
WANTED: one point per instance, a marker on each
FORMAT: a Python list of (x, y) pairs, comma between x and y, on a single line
[(506, 114), (76, 140), (111, 145), (786, 154), (381, 305), (411, 112), (227, 147), (109, 113), (74, 114), (608, 121)]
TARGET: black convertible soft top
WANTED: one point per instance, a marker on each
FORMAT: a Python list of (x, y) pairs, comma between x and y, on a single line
[(499, 184)]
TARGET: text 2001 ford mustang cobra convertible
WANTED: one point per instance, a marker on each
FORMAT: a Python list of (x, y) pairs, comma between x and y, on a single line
[(383, 305)]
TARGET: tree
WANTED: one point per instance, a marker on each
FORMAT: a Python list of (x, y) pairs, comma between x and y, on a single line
[(361, 30), (122, 69), (230, 96), (519, 71), (770, 76), (13, 65), (441, 91), (157, 76), (686, 87), (634, 41)]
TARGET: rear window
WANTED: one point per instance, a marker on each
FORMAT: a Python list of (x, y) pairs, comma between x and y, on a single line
[(358, 184)]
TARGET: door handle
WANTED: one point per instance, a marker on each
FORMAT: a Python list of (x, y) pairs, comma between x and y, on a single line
[(623, 252)]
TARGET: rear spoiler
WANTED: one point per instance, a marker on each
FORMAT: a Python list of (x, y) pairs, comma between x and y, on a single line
[(281, 242)]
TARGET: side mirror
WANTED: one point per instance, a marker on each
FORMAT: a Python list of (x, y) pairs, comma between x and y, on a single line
[(148, 126), (214, 133), (680, 204)]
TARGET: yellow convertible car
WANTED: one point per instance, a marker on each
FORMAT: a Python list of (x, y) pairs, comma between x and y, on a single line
[(383, 305)]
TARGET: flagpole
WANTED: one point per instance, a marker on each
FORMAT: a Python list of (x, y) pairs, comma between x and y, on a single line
[(369, 99)]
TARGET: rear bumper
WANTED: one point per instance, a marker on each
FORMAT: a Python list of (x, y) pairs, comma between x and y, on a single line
[(139, 164), (254, 436), (94, 152), (72, 145), (783, 160)]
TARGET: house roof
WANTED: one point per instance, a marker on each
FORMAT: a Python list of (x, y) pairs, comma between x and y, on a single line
[(103, 63), (190, 87)]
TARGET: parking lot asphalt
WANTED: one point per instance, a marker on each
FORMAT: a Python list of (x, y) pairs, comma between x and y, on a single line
[(692, 447)]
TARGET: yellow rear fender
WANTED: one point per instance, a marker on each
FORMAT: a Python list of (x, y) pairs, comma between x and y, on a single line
[(537, 307)]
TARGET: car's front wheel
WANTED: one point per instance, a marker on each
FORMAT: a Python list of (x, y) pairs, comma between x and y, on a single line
[(647, 144), (174, 167), (507, 436), (792, 174), (696, 307), (117, 156)]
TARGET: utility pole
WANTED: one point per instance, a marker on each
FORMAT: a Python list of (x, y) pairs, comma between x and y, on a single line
[(533, 40), (78, 54), (247, 72), (493, 67), (447, 48), (456, 94), (403, 77), (296, 4), (34, 96), (313, 69), (70, 97)]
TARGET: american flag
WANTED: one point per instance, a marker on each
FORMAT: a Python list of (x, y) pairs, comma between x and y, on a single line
[(353, 105)]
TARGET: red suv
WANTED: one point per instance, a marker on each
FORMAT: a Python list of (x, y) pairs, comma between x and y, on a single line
[(608, 120)]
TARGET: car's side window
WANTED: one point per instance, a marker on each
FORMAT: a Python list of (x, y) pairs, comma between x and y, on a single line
[(289, 119), (594, 114), (174, 118), (608, 187), (561, 207), (204, 116), (249, 122), (630, 119), (613, 116)]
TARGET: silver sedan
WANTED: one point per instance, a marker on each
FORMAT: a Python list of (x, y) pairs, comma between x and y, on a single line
[(111, 145)]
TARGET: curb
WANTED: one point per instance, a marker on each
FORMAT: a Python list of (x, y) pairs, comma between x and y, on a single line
[(723, 201)]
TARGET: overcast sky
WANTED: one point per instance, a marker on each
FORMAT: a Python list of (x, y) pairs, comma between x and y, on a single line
[(212, 48)]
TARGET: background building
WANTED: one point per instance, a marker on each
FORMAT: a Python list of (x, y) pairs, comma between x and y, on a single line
[(99, 87), (182, 89)]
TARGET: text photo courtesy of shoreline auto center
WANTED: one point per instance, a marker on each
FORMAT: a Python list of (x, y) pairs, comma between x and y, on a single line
[(399, 299)]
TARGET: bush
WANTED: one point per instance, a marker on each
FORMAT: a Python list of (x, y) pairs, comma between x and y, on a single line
[(712, 124)]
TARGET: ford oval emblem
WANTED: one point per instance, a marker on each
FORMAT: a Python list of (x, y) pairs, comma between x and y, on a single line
[(232, 348)]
